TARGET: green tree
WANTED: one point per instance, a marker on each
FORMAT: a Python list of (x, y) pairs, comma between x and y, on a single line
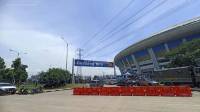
[(2, 68), (54, 77), (185, 54), (19, 71)]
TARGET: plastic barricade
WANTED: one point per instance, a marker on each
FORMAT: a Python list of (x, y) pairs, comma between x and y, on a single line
[(153, 90), (167, 91), (95, 91), (126, 91), (183, 91), (114, 91), (138, 91), (76, 91), (135, 91), (79, 91), (86, 91), (104, 91)]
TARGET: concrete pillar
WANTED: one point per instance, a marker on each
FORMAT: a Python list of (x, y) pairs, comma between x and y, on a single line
[(166, 47), (123, 64), (153, 57), (136, 64), (128, 62)]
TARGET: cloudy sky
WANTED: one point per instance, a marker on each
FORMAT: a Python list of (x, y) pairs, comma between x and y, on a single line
[(36, 27)]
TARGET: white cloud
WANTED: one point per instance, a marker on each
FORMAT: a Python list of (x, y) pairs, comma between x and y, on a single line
[(44, 50)]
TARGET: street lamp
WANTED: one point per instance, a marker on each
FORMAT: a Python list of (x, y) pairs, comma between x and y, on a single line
[(18, 53), (66, 51)]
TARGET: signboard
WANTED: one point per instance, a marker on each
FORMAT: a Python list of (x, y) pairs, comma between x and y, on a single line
[(90, 63)]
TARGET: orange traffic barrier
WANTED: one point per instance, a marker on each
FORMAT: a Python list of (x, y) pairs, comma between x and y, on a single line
[(76, 91), (126, 91), (86, 91), (153, 91), (139, 91), (94, 91), (167, 91), (135, 91), (114, 91), (104, 91), (183, 91)]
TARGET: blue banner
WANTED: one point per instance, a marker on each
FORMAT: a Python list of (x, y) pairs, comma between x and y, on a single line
[(90, 63)]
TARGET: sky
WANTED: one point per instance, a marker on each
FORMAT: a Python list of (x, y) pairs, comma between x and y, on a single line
[(35, 28)]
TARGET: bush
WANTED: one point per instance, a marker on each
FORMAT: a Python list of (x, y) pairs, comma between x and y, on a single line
[(54, 77)]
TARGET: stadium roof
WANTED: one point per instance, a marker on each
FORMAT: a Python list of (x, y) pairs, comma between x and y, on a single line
[(187, 28)]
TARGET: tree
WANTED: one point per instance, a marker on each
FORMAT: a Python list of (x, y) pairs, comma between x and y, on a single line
[(185, 55), (2, 68), (19, 71), (54, 77)]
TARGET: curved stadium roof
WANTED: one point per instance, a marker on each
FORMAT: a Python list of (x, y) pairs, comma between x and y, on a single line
[(181, 30)]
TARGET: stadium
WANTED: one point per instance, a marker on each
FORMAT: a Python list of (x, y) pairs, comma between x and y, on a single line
[(148, 54)]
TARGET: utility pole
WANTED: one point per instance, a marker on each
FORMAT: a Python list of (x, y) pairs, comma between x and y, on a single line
[(66, 64), (73, 79), (79, 69)]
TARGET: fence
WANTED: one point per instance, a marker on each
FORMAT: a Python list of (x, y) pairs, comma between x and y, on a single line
[(135, 91)]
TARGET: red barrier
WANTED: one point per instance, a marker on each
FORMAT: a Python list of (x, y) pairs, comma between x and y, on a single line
[(76, 91), (126, 91), (153, 91), (139, 91), (95, 91), (114, 91), (183, 91), (167, 91), (104, 91), (135, 91)]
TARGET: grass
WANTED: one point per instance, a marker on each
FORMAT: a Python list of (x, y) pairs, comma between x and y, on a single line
[(67, 86)]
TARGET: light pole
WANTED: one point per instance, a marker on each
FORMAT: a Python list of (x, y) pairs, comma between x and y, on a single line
[(66, 51), (18, 53)]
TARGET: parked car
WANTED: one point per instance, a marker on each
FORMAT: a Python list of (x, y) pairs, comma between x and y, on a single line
[(96, 83), (126, 82), (7, 88)]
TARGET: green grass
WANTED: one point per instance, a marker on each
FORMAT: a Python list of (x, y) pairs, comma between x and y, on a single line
[(67, 86)]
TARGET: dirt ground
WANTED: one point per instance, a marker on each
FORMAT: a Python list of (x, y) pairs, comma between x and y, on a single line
[(64, 101)]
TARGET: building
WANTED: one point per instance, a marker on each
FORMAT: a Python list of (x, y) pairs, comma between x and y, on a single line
[(148, 54)]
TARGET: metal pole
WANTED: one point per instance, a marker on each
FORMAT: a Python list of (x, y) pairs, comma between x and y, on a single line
[(67, 57), (73, 81), (66, 65)]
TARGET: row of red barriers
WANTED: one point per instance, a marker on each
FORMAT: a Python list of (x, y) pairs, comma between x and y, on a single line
[(135, 91)]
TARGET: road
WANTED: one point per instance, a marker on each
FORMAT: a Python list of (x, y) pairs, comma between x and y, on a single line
[(64, 101)]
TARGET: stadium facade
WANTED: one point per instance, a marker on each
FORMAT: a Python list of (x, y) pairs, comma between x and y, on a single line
[(148, 54)]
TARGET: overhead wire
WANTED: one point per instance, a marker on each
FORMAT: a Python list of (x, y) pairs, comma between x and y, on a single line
[(119, 39), (169, 13), (119, 25), (108, 23)]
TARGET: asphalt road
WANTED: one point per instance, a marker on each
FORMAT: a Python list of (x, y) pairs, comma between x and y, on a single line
[(63, 101)]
